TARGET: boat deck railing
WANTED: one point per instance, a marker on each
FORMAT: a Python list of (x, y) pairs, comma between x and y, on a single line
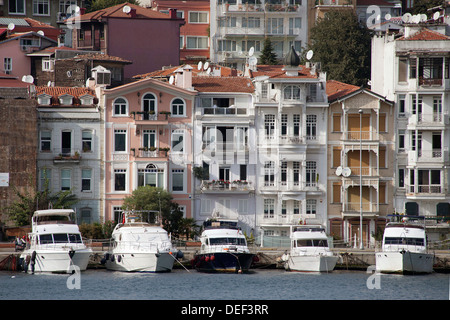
[(142, 246)]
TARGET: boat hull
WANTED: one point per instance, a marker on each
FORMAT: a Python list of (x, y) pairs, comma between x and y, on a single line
[(223, 262), (404, 262), (55, 261), (311, 263), (140, 262)]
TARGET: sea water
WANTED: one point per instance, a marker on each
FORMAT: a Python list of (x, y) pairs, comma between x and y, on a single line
[(180, 284)]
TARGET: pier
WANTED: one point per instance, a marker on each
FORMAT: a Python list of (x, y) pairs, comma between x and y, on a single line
[(269, 258)]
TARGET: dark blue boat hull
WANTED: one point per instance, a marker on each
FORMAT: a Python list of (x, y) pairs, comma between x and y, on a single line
[(223, 262)]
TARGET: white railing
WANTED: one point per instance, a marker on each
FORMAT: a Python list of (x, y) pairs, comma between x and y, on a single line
[(221, 185)]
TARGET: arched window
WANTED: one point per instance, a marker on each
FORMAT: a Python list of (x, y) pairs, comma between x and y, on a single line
[(120, 107), (178, 108), (291, 92), (149, 105)]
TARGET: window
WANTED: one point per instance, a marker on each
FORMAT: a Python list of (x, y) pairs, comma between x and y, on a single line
[(47, 64), (402, 69), (296, 172), (437, 109), (198, 17), (311, 175), (284, 208), (151, 176), (311, 124), (149, 106), (181, 42), (226, 45), (66, 177), (45, 179), (412, 68), (284, 173), (275, 26), (401, 105), (120, 107), (41, 7), (416, 105), (177, 180), (103, 77), (178, 107), (86, 140), (296, 207), (291, 93), (86, 176), (117, 212), (269, 173), (251, 22), (7, 65), (296, 124), (85, 216), (269, 208), (227, 22), (205, 206), (284, 124), (246, 45), (120, 137), (294, 23), (264, 91), (178, 141), (297, 44), (120, 179), (401, 140), (401, 178), (65, 6), (311, 206), (243, 206), (149, 139), (197, 43), (269, 125), (16, 6), (46, 141)]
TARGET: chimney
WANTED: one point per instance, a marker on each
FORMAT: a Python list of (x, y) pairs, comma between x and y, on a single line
[(133, 13), (82, 11), (173, 13)]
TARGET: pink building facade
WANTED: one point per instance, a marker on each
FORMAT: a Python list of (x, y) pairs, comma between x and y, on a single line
[(148, 130)]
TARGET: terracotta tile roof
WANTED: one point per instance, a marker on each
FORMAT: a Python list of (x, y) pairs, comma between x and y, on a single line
[(425, 34), (56, 92), (224, 72), (276, 71), (336, 89), (223, 84), (9, 81), (117, 12), (102, 57)]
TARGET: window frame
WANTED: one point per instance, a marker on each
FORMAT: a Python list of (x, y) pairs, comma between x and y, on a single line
[(122, 104), (178, 105)]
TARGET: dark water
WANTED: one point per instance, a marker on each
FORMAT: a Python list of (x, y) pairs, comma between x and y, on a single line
[(259, 285)]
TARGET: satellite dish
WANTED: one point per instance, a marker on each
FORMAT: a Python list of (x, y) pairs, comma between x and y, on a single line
[(387, 17), (309, 54), (416, 18), (369, 83), (338, 171), (423, 17), (206, 65), (252, 60), (29, 79), (172, 79), (24, 78), (126, 9), (40, 32), (49, 84), (200, 65), (436, 15), (251, 51), (406, 17), (11, 26), (69, 73), (346, 172), (208, 72)]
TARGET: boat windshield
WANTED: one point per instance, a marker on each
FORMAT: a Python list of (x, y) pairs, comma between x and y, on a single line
[(312, 243), (404, 241), (60, 238), (222, 241)]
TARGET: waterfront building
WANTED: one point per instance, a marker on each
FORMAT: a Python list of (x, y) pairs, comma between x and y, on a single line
[(291, 120), (148, 130), (412, 69), (149, 39), (194, 34), (237, 25), (69, 147), (361, 162)]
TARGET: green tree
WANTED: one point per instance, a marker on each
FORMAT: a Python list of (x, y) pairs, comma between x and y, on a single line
[(343, 46), (94, 5), (422, 6), (21, 210), (268, 55)]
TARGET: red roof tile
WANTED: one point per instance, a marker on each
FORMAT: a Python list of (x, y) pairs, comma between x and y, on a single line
[(336, 89), (276, 71), (102, 57), (224, 72), (223, 84), (425, 34), (56, 92)]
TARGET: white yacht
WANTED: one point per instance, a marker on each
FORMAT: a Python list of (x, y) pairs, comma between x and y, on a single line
[(55, 243), (404, 249), (309, 250), (223, 248), (140, 246)]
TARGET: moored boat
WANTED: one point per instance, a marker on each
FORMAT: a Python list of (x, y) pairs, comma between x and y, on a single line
[(223, 248), (404, 248), (309, 250), (55, 243), (139, 245)]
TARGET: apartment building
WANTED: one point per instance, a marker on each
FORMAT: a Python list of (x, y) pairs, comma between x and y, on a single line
[(413, 71), (290, 119), (238, 25), (361, 167)]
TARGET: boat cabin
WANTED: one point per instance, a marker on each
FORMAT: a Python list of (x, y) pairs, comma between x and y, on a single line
[(53, 216)]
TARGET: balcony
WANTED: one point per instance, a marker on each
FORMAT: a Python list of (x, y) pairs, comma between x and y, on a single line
[(356, 136), (290, 140), (66, 155), (430, 82), (334, 3), (220, 186), (427, 156), (426, 120), (353, 209), (151, 152), (430, 190), (224, 111), (149, 117)]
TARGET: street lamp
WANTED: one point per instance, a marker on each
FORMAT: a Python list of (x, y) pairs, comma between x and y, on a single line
[(361, 244)]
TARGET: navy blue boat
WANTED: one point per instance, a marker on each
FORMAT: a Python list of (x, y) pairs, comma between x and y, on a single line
[(223, 248)]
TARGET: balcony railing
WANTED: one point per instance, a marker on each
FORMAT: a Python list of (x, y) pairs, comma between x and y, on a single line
[(426, 155), (356, 207), (66, 155), (363, 135), (291, 140), (143, 153), (364, 171), (225, 185), (426, 118), (224, 111), (149, 116), (430, 82), (426, 189)]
